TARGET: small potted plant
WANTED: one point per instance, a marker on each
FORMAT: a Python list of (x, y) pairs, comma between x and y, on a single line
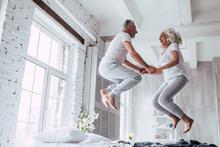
[(85, 122)]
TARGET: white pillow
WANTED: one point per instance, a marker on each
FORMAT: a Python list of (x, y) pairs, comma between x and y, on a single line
[(62, 134), (95, 138)]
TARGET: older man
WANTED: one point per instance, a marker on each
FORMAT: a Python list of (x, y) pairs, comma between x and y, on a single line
[(115, 67)]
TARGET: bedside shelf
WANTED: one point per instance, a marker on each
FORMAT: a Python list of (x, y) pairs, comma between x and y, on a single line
[(163, 131)]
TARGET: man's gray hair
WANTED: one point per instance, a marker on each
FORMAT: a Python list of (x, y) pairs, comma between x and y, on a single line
[(127, 23)]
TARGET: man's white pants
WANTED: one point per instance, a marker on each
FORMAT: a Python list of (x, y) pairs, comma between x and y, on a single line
[(123, 78)]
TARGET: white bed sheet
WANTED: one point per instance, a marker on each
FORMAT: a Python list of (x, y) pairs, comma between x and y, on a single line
[(40, 144)]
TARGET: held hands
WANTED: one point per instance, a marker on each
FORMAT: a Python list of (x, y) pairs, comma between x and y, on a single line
[(158, 71), (142, 71), (150, 70)]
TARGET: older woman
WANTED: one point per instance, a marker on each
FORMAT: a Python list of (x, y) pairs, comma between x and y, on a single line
[(175, 78)]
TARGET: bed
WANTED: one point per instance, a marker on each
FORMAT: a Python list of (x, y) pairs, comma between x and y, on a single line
[(41, 144), (180, 143), (70, 137)]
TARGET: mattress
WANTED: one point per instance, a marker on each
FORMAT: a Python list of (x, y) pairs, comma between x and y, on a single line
[(40, 144)]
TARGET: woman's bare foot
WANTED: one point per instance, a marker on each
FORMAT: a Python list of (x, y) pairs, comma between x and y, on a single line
[(187, 123), (104, 98), (175, 120), (187, 126), (111, 101)]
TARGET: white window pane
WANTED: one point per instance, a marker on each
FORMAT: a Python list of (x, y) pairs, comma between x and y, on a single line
[(24, 106), (59, 113), (55, 54), (35, 108), (31, 131), (57, 87), (24, 134), (53, 86), (39, 79), (61, 89), (44, 48), (64, 58), (51, 111), (28, 76), (59, 54), (55, 105), (33, 43)]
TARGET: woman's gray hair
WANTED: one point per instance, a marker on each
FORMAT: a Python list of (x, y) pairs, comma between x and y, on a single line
[(172, 36), (127, 23)]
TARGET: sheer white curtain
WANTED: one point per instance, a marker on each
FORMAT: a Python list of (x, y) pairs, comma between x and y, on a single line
[(126, 114)]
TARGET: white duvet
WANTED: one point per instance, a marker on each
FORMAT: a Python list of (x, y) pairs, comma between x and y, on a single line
[(40, 144)]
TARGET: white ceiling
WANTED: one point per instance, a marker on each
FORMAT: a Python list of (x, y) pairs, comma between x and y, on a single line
[(198, 21), (204, 11)]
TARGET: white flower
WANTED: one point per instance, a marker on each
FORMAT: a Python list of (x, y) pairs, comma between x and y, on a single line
[(86, 121)]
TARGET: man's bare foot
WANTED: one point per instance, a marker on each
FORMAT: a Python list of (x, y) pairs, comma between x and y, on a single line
[(111, 101), (104, 98), (175, 120), (187, 123)]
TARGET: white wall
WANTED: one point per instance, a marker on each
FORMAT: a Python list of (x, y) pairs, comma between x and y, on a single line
[(15, 38), (3, 5), (14, 43), (142, 107), (207, 50), (198, 99)]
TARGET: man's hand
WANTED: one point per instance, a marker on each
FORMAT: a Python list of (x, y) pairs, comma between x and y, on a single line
[(142, 71)]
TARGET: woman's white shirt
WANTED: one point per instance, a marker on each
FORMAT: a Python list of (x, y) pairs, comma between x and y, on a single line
[(176, 70)]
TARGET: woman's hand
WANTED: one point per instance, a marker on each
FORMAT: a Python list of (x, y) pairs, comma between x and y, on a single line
[(158, 71), (147, 70), (150, 69)]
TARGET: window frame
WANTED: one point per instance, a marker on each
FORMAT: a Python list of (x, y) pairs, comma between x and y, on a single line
[(49, 71)]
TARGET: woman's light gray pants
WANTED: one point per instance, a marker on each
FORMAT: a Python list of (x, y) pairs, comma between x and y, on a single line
[(163, 97), (123, 78)]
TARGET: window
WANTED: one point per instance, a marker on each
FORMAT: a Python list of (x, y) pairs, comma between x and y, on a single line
[(43, 86), (55, 102)]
